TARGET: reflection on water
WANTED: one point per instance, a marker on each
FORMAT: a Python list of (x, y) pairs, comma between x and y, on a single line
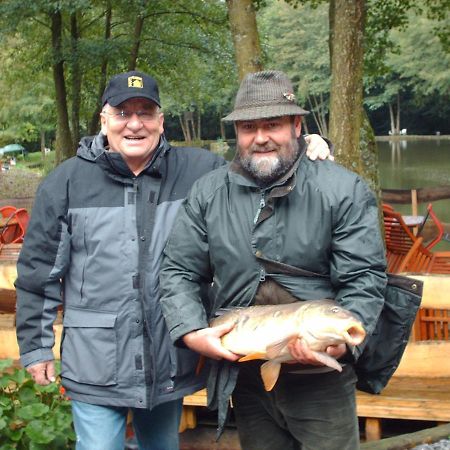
[(413, 165), (396, 154)]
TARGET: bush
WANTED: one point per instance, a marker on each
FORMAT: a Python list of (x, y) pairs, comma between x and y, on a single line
[(32, 417)]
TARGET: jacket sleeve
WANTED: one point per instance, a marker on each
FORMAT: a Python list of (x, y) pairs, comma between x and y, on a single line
[(185, 269), (357, 266), (41, 265)]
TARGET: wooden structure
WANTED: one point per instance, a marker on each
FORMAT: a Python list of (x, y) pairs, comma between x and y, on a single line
[(8, 273), (433, 319), (407, 252), (8, 341), (419, 389)]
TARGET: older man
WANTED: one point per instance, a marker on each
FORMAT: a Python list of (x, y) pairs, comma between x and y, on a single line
[(259, 226), (96, 235)]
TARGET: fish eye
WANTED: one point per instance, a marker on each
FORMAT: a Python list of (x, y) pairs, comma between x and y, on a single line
[(335, 309)]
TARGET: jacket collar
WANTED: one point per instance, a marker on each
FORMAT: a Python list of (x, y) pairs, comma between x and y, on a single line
[(97, 150)]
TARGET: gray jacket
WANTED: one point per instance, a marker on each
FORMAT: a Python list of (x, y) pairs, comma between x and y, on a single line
[(94, 246)]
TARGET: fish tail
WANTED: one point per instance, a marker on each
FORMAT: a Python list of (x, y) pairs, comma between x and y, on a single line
[(270, 371)]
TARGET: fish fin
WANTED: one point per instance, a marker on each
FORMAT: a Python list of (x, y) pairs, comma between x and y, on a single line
[(252, 356), (270, 371), (274, 350), (328, 360)]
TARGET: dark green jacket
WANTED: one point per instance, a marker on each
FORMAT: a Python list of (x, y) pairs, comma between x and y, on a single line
[(320, 217)]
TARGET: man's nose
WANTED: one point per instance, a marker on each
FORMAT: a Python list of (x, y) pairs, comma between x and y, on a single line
[(261, 136), (134, 122)]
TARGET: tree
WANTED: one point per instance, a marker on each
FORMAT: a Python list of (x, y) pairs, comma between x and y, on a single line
[(347, 56), (91, 39), (26, 111), (245, 36)]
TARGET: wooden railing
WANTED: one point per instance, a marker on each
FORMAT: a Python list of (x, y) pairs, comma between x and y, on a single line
[(422, 195)]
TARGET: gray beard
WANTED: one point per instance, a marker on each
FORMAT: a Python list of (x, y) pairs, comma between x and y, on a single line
[(266, 171)]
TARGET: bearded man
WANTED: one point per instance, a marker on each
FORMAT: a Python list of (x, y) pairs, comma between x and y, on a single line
[(276, 227)]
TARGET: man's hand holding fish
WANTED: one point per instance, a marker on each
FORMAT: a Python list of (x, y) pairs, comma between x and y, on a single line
[(301, 353), (207, 342)]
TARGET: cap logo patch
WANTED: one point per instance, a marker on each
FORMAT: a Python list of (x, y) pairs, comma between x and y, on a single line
[(289, 95), (135, 82)]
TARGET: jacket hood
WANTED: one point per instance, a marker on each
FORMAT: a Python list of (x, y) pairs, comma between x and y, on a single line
[(91, 147), (95, 149)]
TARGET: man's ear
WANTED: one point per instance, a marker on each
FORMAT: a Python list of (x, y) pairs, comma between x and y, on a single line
[(103, 124), (298, 126), (161, 123)]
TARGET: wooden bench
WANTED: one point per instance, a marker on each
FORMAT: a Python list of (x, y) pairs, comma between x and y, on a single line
[(419, 389)]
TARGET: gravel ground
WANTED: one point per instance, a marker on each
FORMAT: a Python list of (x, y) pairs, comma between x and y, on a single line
[(443, 444), (18, 183)]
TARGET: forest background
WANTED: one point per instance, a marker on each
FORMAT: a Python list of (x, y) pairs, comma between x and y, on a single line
[(56, 57)]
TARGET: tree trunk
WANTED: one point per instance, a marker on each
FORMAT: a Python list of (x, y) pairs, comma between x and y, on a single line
[(391, 118), (223, 134), (43, 144), (185, 128), (138, 26), (369, 156), (199, 125), (63, 135), (346, 81), (315, 114), (242, 18), (94, 122), (76, 81), (397, 122)]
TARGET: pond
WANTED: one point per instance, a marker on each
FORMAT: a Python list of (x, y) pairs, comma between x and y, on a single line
[(417, 164)]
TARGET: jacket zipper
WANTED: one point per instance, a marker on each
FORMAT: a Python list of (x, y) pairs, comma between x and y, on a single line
[(262, 203)]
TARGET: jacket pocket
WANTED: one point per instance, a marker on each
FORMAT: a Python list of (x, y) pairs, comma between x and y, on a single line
[(89, 348)]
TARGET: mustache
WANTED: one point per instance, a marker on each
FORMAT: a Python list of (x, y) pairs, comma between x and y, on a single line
[(264, 148)]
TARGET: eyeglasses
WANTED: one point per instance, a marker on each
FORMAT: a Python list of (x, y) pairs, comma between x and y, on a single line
[(125, 116)]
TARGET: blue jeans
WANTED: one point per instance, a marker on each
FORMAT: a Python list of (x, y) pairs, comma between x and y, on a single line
[(103, 427)]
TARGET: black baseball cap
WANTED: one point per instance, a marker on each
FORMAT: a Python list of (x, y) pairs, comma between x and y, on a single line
[(130, 85)]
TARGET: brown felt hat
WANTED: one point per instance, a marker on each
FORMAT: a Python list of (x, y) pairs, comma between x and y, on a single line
[(265, 94)]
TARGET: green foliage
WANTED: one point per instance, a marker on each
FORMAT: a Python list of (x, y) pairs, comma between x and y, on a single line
[(184, 44), (418, 70), (32, 417)]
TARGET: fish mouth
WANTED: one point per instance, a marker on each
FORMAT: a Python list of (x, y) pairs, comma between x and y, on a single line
[(354, 334)]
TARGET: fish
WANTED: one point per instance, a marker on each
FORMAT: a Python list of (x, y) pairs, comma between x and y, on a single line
[(264, 332)]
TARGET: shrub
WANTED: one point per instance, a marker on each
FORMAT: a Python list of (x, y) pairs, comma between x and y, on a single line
[(33, 417)]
